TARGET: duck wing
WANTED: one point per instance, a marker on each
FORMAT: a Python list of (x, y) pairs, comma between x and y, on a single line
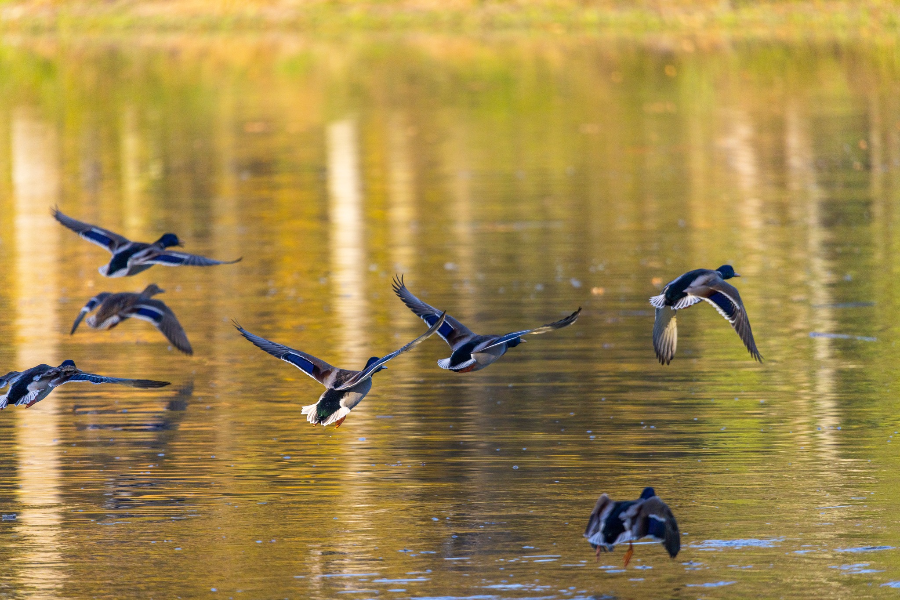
[(182, 259), (156, 312), (369, 370), (452, 331), (727, 301), (97, 379), (665, 334), (316, 368), (104, 238), (594, 530), (537, 330), (8, 378), (654, 518), (91, 305)]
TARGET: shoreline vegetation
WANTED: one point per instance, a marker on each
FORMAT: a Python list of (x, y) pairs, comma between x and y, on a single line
[(876, 21)]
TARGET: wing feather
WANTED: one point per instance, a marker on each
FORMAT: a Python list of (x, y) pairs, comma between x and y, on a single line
[(104, 238), (182, 259), (98, 379), (536, 331), (452, 331), (727, 301), (91, 305), (316, 368), (665, 335), (156, 312), (369, 370)]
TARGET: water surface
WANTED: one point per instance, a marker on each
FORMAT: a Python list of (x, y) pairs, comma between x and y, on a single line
[(511, 180)]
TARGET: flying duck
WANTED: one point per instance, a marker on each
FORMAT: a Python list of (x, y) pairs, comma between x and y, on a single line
[(614, 523), (130, 258), (115, 308), (35, 384), (689, 289), (344, 389), (471, 352)]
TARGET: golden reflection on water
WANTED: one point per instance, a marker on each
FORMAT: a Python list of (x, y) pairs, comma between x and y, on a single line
[(510, 181), (36, 185)]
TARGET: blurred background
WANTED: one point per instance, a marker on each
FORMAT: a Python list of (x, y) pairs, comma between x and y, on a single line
[(515, 161)]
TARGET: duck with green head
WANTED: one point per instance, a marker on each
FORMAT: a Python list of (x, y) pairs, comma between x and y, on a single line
[(130, 258), (689, 289)]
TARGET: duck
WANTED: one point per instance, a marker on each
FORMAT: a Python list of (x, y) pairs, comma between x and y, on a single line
[(617, 522), (689, 289), (344, 388), (115, 308), (26, 388), (470, 351), (130, 258)]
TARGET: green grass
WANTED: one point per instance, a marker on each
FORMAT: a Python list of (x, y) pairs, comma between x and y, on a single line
[(879, 19)]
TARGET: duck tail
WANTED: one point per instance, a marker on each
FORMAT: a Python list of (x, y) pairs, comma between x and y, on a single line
[(658, 301), (310, 412), (316, 416)]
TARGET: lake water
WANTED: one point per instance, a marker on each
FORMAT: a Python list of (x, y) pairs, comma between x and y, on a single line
[(511, 180)]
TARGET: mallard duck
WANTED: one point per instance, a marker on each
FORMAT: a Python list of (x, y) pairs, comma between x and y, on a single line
[(344, 389), (115, 308), (130, 258), (614, 523), (33, 385), (471, 352), (689, 289)]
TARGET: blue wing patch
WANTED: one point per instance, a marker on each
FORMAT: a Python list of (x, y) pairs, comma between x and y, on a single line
[(88, 377), (300, 362), (96, 236), (725, 304), (149, 313), (656, 528), (444, 330), (168, 258)]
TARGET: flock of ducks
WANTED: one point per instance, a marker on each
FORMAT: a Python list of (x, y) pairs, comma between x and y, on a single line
[(611, 522)]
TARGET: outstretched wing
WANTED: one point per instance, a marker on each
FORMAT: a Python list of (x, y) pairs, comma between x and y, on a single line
[(156, 312), (655, 519), (542, 329), (727, 301), (594, 529), (452, 331), (314, 367), (91, 305), (104, 238), (369, 370), (135, 383), (665, 334), (8, 378), (182, 259)]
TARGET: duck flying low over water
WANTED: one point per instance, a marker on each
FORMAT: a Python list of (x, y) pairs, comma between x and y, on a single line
[(115, 308), (689, 289), (33, 385), (471, 352), (344, 388), (617, 522), (130, 258)]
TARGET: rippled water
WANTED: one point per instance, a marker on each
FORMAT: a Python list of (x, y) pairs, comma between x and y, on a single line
[(511, 181)]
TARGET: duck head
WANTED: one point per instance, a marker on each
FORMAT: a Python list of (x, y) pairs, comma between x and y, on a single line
[(372, 360), (168, 240), (727, 272), (152, 290), (647, 493), (67, 368)]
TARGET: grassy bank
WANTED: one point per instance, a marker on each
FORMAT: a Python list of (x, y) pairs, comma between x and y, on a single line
[(879, 19)]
